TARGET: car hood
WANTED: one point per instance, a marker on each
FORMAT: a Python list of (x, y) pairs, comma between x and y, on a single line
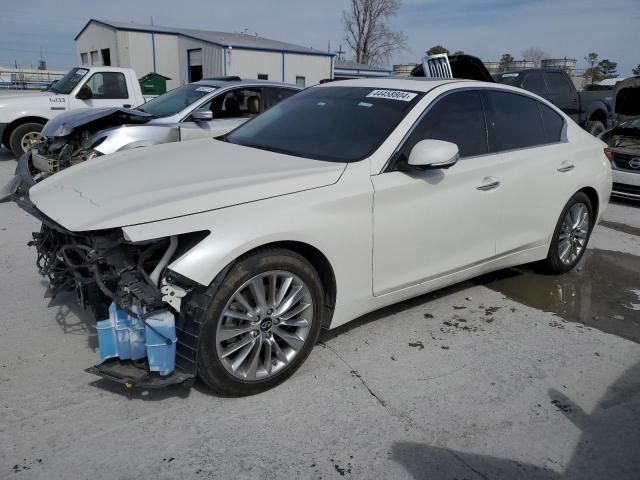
[(165, 181), (93, 118), (627, 99)]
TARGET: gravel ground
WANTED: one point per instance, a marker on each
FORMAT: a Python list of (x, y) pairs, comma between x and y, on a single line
[(513, 375)]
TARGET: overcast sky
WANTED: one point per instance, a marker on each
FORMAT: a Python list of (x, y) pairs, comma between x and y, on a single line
[(487, 29)]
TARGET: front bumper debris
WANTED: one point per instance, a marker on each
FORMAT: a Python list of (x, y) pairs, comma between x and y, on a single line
[(136, 374)]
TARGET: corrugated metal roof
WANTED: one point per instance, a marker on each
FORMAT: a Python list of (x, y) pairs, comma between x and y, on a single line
[(350, 65), (223, 39)]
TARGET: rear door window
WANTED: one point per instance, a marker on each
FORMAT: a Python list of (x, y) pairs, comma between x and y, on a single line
[(514, 121), (553, 124), (457, 118)]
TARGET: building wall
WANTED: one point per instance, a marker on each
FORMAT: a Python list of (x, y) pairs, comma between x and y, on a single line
[(135, 50), (211, 58), (95, 38), (140, 56), (249, 63), (313, 67), (167, 59)]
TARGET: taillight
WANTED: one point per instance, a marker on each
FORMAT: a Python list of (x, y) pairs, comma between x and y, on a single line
[(608, 152)]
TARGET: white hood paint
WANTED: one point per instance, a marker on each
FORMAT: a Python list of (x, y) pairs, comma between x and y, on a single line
[(166, 181)]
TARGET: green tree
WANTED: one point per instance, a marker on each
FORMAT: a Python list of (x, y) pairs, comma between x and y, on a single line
[(636, 71), (593, 73), (506, 61), (608, 68), (458, 52), (437, 49)]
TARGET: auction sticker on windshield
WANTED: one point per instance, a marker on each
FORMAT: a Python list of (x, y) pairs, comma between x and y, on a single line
[(393, 95)]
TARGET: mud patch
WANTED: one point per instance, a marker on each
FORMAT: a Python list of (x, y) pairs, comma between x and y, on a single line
[(600, 293)]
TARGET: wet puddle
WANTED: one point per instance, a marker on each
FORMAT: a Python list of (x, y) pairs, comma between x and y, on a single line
[(603, 292)]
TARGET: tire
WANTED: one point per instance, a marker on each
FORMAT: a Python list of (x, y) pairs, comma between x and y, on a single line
[(253, 330), (595, 127), (17, 136), (576, 239)]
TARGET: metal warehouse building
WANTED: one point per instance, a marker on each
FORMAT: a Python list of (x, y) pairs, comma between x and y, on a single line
[(186, 55)]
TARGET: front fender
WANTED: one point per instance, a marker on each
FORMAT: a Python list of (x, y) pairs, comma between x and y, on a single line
[(127, 137)]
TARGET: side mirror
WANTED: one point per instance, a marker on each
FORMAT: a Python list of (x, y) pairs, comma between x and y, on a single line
[(202, 116), (432, 154), (84, 93)]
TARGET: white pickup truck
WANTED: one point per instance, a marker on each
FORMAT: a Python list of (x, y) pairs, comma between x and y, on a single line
[(23, 116)]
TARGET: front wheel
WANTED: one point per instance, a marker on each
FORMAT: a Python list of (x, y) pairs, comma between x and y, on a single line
[(571, 235), (24, 137), (262, 323)]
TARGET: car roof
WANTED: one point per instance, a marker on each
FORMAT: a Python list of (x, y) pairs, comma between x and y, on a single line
[(246, 81), (419, 84)]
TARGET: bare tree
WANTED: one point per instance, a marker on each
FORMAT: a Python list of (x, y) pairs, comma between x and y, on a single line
[(368, 33), (535, 55)]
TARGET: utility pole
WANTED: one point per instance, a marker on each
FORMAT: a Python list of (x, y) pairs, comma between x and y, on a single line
[(153, 47)]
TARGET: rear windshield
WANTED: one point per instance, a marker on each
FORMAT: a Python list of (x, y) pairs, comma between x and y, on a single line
[(176, 100), (341, 124)]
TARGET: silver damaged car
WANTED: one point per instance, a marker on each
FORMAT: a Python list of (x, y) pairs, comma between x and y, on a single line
[(207, 108)]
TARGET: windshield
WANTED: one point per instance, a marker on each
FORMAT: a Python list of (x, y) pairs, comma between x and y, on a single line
[(176, 100), (342, 124), (69, 81), (509, 79)]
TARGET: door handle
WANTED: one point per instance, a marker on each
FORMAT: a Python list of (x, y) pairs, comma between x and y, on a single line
[(489, 186), (566, 168), (127, 105)]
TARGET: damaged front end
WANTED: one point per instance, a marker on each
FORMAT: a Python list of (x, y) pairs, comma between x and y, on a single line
[(75, 137), (130, 290), (624, 140)]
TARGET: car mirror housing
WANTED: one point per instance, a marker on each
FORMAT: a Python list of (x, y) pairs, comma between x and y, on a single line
[(84, 93), (202, 115), (433, 154)]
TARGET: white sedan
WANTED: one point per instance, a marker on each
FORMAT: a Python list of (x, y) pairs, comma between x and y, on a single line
[(343, 199)]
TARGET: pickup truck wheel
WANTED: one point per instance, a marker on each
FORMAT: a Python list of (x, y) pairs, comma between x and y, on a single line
[(24, 137), (262, 323), (571, 235), (595, 127)]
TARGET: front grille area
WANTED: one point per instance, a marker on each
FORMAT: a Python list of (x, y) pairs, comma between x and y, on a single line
[(628, 191), (622, 161)]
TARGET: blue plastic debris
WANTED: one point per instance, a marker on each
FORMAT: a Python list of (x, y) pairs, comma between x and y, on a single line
[(121, 335), (161, 342)]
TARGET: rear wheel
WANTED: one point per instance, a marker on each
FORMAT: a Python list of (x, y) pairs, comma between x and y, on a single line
[(24, 137), (262, 323), (595, 127), (571, 235)]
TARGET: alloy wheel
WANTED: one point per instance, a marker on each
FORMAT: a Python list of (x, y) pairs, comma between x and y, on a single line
[(573, 235), (30, 139), (264, 325)]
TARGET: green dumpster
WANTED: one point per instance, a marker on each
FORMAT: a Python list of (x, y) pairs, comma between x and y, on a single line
[(153, 84)]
